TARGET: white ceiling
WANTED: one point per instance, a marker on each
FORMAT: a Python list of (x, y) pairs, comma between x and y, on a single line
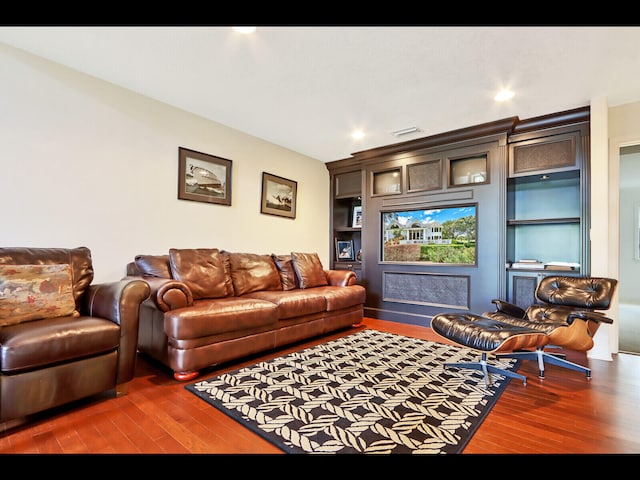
[(306, 88)]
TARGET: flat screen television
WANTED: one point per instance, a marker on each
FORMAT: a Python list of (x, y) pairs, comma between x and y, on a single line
[(442, 236)]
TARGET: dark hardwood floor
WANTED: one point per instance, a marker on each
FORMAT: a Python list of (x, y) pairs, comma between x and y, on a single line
[(565, 413)]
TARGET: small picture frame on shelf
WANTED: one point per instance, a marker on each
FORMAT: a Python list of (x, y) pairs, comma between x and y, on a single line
[(357, 217), (344, 250)]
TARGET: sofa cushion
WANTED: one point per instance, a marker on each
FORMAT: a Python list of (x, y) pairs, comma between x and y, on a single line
[(294, 303), (287, 273), (214, 317), (153, 265), (309, 271), (251, 272), (338, 298), (33, 292), (201, 269), (32, 345)]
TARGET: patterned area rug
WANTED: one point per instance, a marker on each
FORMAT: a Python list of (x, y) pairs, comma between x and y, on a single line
[(368, 392)]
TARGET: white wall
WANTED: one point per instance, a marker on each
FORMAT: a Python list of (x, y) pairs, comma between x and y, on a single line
[(624, 130), (599, 232), (86, 163), (611, 128), (628, 291)]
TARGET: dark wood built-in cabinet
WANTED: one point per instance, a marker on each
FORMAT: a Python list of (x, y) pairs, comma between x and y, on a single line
[(525, 185), (346, 193), (547, 205)]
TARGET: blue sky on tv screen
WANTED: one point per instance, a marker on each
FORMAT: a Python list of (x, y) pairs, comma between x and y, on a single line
[(439, 215)]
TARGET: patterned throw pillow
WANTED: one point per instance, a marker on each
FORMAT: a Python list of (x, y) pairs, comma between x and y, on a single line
[(33, 292)]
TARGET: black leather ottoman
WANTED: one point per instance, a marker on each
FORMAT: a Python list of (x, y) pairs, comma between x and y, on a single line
[(486, 336)]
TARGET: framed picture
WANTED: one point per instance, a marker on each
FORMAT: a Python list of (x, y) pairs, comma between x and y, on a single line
[(357, 217), (279, 196), (344, 250), (203, 178)]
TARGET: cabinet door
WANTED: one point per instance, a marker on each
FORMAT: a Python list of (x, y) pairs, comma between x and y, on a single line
[(546, 154), (522, 286), (348, 184), (468, 170), (387, 182)]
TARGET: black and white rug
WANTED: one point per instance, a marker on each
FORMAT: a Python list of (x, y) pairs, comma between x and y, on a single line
[(368, 392)]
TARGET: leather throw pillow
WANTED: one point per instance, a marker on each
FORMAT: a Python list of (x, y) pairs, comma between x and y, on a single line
[(287, 273), (251, 272), (308, 270), (201, 269), (153, 265)]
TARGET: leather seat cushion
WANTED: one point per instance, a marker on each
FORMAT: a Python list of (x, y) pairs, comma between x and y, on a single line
[(542, 324), (552, 321), (340, 297), (486, 334), (294, 303), (215, 316), (39, 343)]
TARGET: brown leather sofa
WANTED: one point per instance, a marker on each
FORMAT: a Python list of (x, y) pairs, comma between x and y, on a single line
[(61, 338), (209, 306)]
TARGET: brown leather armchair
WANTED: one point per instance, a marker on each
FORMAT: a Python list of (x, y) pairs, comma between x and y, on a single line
[(56, 348), (568, 310)]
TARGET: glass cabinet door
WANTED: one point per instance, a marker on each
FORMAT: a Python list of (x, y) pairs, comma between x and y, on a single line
[(468, 170), (387, 182)]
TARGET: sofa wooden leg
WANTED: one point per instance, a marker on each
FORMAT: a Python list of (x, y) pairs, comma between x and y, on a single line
[(122, 389), (185, 376)]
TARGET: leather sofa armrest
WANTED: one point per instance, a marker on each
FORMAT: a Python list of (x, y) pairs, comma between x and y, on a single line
[(509, 308), (119, 302), (341, 278), (167, 294)]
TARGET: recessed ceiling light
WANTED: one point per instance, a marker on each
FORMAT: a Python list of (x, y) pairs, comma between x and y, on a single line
[(503, 95), (357, 134), (245, 30)]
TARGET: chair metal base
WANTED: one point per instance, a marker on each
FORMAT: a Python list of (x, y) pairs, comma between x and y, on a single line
[(541, 356), (486, 368)]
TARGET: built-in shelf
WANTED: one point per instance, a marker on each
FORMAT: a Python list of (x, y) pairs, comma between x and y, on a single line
[(529, 182), (547, 207), (346, 209), (544, 221)]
